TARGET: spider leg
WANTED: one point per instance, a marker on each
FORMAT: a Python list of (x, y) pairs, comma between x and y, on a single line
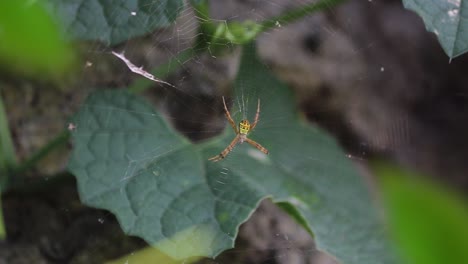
[(257, 115), (229, 118), (258, 146), (226, 151)]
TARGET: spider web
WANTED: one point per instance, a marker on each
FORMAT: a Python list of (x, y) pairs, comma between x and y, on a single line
[(192, 101)]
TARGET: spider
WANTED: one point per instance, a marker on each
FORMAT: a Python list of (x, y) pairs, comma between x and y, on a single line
[(241, 134)]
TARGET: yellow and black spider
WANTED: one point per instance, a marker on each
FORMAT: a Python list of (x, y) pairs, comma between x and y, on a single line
[(241, 134)]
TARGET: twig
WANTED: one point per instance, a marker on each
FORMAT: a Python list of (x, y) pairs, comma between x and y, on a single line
[(139, 70)]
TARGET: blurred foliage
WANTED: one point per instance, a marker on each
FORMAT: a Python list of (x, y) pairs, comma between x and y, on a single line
[(428, 221), (31, 42), (447, 19)]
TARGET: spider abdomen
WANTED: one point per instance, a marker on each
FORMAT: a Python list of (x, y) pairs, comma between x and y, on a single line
[(244, 127)]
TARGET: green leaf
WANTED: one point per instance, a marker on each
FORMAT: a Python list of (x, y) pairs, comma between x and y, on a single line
[(30, 41), (305, 168), (127, 160), (447, 19), (115, 21), (428, 221)]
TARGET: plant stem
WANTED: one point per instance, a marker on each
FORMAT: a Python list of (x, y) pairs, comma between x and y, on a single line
[(7, 160), (58, 141), (7, 150), (2, 224)]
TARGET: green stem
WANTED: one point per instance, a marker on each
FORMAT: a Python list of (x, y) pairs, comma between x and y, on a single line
[(7, 161), (298, 13), (7, 150), (202, 9), (58, 141), (2, 224)]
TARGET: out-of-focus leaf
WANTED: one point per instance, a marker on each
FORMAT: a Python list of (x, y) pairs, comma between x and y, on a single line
[(448, 19), (428, 221), (115, 21), (30, 41)]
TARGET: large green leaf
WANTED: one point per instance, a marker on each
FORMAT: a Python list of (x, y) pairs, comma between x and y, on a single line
[(30, 41), (128, 161), (448, 19), (428, 221), (114, 21)]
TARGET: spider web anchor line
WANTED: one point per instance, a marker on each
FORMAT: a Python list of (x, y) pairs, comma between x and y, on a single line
[(139, 70)]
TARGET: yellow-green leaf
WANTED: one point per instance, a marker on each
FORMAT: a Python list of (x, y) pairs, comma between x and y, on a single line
[(428, 221), (30, 40)]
